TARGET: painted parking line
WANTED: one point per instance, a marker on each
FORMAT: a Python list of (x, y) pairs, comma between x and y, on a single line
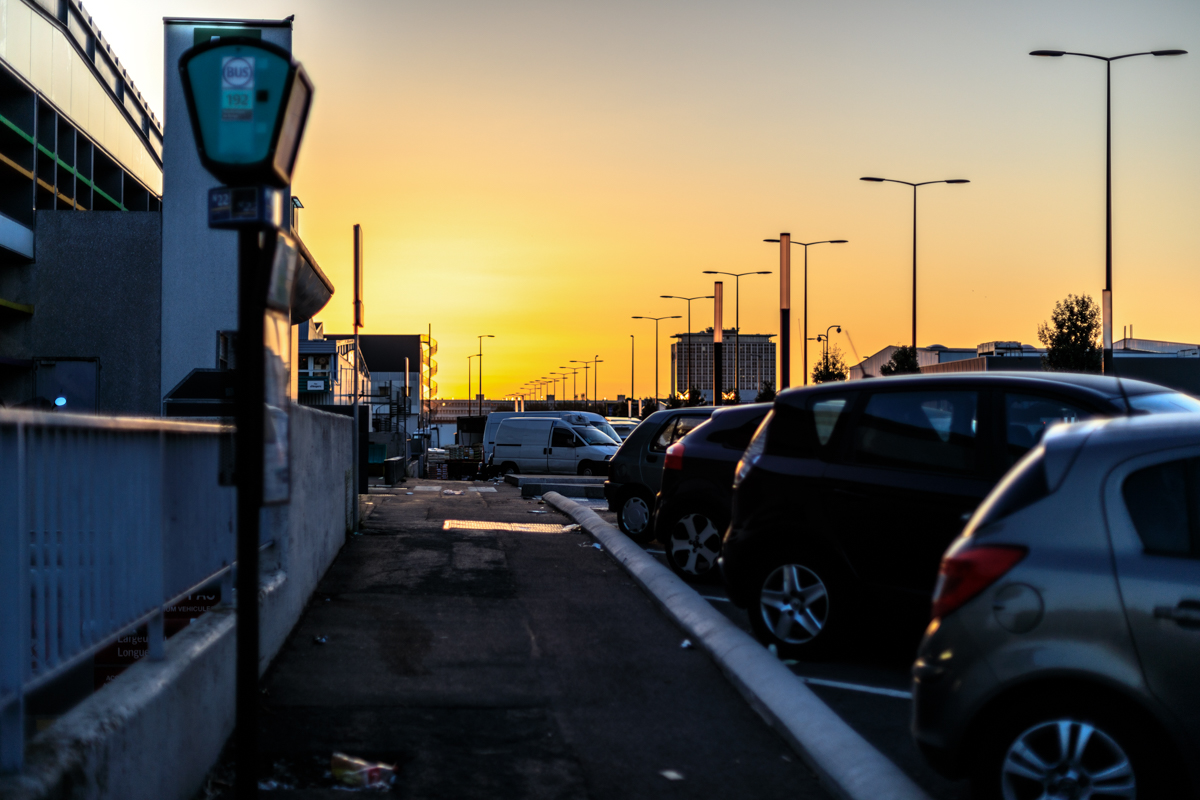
[(858, 687), (481, 488), (717, 599), (428, 488)]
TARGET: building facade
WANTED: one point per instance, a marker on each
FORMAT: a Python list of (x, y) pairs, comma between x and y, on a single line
[(79, 322), (693, 354)]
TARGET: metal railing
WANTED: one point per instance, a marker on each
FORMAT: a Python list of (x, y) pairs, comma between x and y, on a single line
[(104, 523)]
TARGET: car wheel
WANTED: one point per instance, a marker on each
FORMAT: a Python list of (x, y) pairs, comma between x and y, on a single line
[(509, 468), (802, 608), (586, 468), (692, 539), (634, 517), (1055, 749)]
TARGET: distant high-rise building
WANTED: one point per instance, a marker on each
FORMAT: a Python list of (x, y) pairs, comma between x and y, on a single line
[(694, 351)]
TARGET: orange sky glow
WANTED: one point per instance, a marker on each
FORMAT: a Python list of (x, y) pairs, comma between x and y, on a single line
[(542, 171)]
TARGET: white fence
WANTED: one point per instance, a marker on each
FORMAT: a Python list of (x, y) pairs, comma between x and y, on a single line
[(104, 523)]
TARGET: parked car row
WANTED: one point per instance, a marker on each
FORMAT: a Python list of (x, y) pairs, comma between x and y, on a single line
[(1062, 568)]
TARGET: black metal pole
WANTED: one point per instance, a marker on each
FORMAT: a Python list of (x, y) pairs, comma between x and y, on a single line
[(804, 333), (1107, 363), (914, 298), (249, 398)]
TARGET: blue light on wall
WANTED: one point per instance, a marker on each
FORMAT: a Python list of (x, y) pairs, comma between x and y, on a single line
[(60, 401)]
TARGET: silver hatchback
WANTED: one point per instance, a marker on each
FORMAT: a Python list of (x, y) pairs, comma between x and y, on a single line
[(1063, 659)]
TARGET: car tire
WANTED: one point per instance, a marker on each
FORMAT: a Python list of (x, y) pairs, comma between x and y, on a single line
[(1107, 752), (586, 468), (635, 516), (509, 468), (804, 607), (691, 535)]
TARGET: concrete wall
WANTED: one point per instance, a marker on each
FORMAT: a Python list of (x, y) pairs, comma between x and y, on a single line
[(199, 265), (95, 287), (155, 731)]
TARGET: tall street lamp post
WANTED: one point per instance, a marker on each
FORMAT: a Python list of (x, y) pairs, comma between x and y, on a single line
[(656, 319), (586, 366), (1106, 304), (914, 259), (804, 332), (574, 383), (480, 354), (737, 318), (469, 395), (689, 347), (632, 353)]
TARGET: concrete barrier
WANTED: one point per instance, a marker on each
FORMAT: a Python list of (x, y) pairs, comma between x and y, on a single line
[(155, 731)]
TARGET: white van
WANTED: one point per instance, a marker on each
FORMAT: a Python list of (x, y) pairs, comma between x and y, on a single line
[(548, 445), (575, 418)]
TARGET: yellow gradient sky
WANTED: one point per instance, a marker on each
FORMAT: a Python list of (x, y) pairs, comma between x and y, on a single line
[(541, 171)]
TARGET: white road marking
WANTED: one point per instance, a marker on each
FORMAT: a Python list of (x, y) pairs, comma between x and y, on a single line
[(858, 687), (428, 488), (481, 488), (718, 599), (517, 527)]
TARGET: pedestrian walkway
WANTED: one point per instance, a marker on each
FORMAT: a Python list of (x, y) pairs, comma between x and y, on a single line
[(490, 663)]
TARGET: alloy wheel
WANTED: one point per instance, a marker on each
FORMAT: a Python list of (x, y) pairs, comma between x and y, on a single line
[(695, 544), (1066, 759), (635, 514), (794, 603)]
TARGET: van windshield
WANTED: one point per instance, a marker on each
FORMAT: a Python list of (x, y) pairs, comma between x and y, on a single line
[(594, 436), (608, 429)]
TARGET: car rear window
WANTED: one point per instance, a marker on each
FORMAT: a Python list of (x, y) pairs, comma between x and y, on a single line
[(676, 429), (929, 430), (1162, 501), (737, 438)]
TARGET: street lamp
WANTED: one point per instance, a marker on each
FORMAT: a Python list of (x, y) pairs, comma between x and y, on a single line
[(574, 385), (632, 353), (596, 381), (914, 293), (1106, 300), (824, 337), (689, 319), (586, 367), (737, 320), (481, 337), (473, 355), (656, 319)]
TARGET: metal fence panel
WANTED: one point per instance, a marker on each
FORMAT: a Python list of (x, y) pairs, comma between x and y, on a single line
[(103, 523)]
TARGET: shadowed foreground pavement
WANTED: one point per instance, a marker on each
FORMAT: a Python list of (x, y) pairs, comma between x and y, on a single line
[(494, 664)]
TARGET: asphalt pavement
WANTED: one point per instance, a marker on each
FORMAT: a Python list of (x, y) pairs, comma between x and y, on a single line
[(870, 689), (467, 639)]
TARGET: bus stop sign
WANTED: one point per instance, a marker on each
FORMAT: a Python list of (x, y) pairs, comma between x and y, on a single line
[(248, 101)]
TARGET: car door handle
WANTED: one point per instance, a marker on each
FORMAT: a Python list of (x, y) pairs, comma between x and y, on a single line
[(1187, 613)]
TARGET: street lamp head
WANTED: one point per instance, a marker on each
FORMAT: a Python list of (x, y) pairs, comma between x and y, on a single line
[(677, 316), (1168, 52), (714, 272), (771, 240), (958, 180), (767, 272), (873, 180), (839, 241), (839, 328), (637, 317), (1048, 53), (670, 297), (486, 336)]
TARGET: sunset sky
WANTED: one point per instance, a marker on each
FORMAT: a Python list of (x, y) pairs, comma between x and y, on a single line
[(541, 171)]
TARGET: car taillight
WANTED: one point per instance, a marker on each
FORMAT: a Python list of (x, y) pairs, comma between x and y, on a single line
[(674, 459), (965, 574)]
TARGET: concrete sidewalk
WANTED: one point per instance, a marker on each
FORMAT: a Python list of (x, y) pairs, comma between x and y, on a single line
[(505, 664)]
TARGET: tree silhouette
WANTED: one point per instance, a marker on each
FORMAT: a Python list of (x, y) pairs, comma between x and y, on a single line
[(1071, 337), (831, 367), (903, 362), (766, 393)]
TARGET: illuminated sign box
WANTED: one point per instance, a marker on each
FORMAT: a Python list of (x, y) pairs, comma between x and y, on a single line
[(248, 101)]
